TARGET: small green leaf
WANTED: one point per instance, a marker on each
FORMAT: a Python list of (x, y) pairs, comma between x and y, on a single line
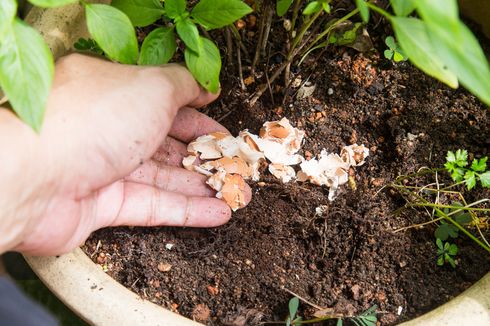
[(88, 45), (403, 7), (461, 157), (464, 218), (140, 12), (218, 13), (440, 260), (390, 42), (450, 260), (188, 32), (388, 54), (312, 8), (444, 231), (26, 72), (470, 179), (363, 10), (206, 66), (175, 8), (112, 30), (326, 7), (158, 47), (453, 250), (450, 157), (479, 165), (439, 244), (8, 10), (485, 179), (412, 35), (397, 57), (51, 3), (282, 6), (293, 307)]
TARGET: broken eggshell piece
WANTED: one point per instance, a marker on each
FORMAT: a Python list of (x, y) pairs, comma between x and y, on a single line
[(354, 154), (283, 172)]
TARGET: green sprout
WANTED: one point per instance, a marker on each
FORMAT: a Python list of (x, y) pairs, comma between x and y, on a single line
[(446, 253), (394, 52), (456, 165)]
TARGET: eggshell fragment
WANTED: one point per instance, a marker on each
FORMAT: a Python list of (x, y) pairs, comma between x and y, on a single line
[(206, 146), (233, 191), (355, 154), (282, 132), (283, 172), (234, 165), (188, 162)]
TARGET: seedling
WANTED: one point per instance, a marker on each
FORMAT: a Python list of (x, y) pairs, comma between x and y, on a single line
[(446, 230), (394, 52), (446, 253), (456, 165)]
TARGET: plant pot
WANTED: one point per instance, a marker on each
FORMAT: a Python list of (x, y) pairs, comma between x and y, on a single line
[(100, 300)]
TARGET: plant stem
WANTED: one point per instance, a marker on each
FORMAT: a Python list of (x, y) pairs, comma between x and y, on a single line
[(302, 31), (378, 9), (296, 5), (459, 208)]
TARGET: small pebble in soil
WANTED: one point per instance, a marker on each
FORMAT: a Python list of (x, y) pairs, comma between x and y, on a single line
[(330, 91), (201, 312), (164, 267)]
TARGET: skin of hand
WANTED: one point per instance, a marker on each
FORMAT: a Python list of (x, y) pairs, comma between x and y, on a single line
[(109, 154)]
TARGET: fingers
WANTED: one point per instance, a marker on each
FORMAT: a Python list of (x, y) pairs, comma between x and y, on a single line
[(190, 124), (144, 205), (171, 152), (172, 179)]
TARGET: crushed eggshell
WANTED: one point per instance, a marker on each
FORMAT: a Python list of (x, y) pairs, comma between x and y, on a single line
[(284, 172), (231, 160)]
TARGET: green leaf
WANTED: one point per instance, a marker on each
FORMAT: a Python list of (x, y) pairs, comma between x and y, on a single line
[(479, 165), (51, 3), (218, 13), (312, 8), (464, 218), (158, 47), (388, 54), (439, 244), (88, 45), (175, 8), (453, 250), (457, 46), (440, 260), (282, 6), (112, 30), (390, 42), (450, 156), (293, 307), (140, 12), (470, 179), (444, 231), (412, 35), (26, 72), (461, 157), (363, 10), (326, 7), (205, 67), (403, 7), (485, 179), (8, 10), (450, 260), (397, 57), (188, 32)]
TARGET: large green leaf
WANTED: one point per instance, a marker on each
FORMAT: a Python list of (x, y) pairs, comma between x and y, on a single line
[(403, 7), (205, 67), (141, 12), (457, 47), (412, 35), (26, 72), (363, 10), (218, 13), (282, 6), (175, 8), (50, 3), (112, 30), (188, 32), (158, 47), (8, 10)]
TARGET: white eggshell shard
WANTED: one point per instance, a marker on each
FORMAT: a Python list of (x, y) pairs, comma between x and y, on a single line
[(276, 152), (282, 132), (216, 181), (188, 162), (233, 191), (283, 172), (206, 147), (354, 154)]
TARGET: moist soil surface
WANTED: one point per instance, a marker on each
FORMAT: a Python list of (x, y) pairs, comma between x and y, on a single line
[(347, 258)]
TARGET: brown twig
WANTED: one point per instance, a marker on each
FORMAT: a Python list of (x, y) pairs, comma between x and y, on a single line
[(240, 72), (229, 45)]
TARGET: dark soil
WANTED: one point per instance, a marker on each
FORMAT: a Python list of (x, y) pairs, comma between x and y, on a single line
[(347, 259)]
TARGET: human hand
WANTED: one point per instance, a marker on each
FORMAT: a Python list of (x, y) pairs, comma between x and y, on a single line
[(109, 154)]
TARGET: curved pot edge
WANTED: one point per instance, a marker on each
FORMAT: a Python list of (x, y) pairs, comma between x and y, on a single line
[(95, 296)]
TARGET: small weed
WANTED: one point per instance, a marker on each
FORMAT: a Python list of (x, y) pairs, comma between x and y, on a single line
[(456, 165), (394, 51), (446, 253)]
